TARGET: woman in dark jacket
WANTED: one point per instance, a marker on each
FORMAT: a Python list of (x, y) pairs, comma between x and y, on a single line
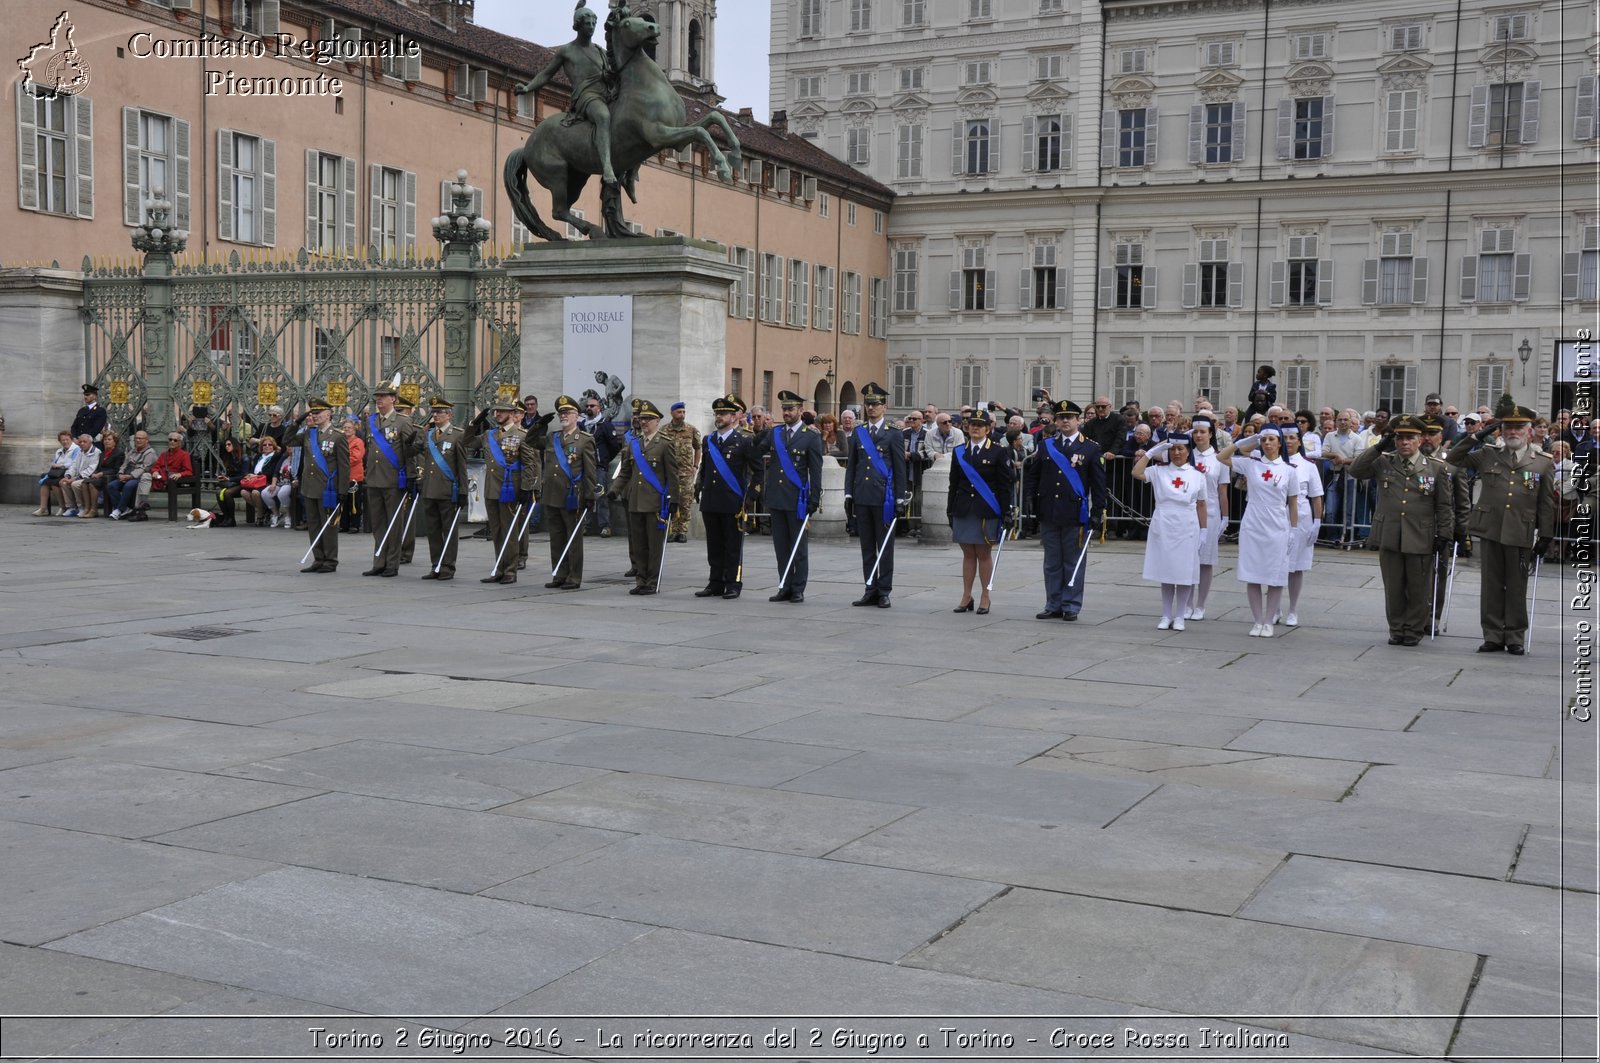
[(111, 456), (980, 470), (231, 471)]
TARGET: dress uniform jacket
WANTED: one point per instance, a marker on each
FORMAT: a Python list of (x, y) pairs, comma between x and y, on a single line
[(661, 453), (738, 450), (435, 484), (992, 463), (336, 454), (401, 435), (579, 448), (861, 480), (518, 448), (1516, 496), (1052, 494), (804, 445), (1415, 501)]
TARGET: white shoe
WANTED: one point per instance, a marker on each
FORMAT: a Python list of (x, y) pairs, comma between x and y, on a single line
[(272, 522), (1276, 617), (1166, 622), (1177, 625), (116, 514), (1255, 630), (69, 512), (1266, 631), (1291, 620), (1197, 614), (1188, 611)]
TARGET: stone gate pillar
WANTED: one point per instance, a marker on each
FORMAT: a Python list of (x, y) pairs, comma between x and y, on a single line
[(42, 364)]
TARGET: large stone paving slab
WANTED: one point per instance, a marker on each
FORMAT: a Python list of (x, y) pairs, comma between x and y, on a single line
[(1210, 965), (1546, 802), (682, 754), (984, 788), (1562, 858), (892, 734), (378, 947), (58, 881), (1463, 844), (446, 848), (412, 773), (129, 800), (1513, 921), (432, 726), (1504, 757), (1517, 1010), (745, 816), (873, 913)]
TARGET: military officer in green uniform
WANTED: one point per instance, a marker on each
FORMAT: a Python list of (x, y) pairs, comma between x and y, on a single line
[(1460, 508), (391, 441), (1513, 521), (645, 482), (324, 479), (411, 519), (444, 488), (511, 468), (567, 486), (1413, 523)]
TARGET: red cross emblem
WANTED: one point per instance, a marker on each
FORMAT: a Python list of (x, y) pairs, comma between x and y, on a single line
[(1200, 466), (1266, 476), (1177, 481)]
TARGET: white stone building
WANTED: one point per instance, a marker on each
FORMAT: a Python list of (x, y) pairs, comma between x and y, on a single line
[(1148, 198)]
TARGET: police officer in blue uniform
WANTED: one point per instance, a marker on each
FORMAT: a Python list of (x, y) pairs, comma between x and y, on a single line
[(1066, 483), (875, 485), (723, 479), (791, 489)]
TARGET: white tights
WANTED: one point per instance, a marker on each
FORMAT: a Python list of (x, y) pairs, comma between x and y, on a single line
[(1274, 600), (1174, 600)]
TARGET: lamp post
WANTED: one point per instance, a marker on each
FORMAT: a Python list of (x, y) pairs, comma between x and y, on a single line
[(461, 229), (817, 359), (1525, 352)]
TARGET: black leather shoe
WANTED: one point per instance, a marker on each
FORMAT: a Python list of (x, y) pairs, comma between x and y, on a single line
[(1490, 647), (1515, 651), (443, 576), (781, 596), (509, 577), (390, 572), (796, 598), (1410, 640), (731, 593), (870, 598), (570, 585), (373, 572), (1069, 616), (553, 585), (431, 575), (1048, 614), (312, 568), (983, 610), (647, 590), (521, 565), (630, 574), (708, 592), (1396, 640), (883, 602), (964, 608), (487, 579), (636, 590)]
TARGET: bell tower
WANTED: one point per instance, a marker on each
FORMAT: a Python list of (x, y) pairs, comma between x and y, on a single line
[(686, 50)]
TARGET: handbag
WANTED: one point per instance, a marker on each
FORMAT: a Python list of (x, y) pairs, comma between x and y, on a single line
[(53, 474), (253, 482)]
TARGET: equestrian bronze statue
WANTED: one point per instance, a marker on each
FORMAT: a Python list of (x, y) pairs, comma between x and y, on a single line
[(623, 111)]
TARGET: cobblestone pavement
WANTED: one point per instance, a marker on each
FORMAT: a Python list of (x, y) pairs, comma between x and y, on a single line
[(227, 789)]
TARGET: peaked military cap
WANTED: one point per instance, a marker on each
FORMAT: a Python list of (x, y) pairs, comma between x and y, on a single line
[(566, 402), (1067, 408), (978, 417), (873, 394), (1407, 425), (91, 389), (1518, 415), (441, 403), (646, 408), (725, 404), (505, 406), (789, 398), (317, 405), (385, 389), (1432, 424)]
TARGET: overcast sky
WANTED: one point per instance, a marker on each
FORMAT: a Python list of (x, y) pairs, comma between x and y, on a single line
[(742, 39)]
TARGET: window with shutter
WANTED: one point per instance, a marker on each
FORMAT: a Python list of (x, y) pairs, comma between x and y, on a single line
[(858, 145), (1589, 264), (1296, 393), (911, 78), (1220, 53), (1127, 278), (822, 317), (878, 326), (974, 278), (1396, 388), (1508, 110), (1044, 286), (905, 279), (908, 151), (1308, 46), (1405, 38), (971, 390), (1132, 139), (1133, 61), (850, 305), (1044, 148), (772, 288), (1047, 67), (980, 9), (976, 144), (1302, 273), (1488, 383), (1211, 276), (1208, 383), (903, 382), (913, 12), (742, 296), (810, 18), (1124, 384), (1514, 27), (1400, 113), (859, 83), (1309, 140)]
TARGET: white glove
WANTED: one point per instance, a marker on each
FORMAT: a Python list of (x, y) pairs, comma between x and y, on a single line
[(1157, 451), (1316, 529), (1247, 442)]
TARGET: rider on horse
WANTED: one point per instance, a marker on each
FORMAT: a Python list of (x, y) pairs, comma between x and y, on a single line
[(589, 69)]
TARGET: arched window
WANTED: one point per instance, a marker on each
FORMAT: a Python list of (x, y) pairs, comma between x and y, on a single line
[(696, 44)]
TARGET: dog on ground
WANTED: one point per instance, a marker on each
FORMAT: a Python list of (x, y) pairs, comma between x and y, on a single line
[(200, 518)]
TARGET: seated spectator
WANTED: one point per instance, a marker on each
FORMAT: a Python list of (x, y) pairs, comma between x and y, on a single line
[(111, 456), (828, 425), (847, 425), (75, 483), (230, 483), (174, 468), (279, 494), (130, 491), (350, 519), (275, 427), (50, 482), (254, 485)]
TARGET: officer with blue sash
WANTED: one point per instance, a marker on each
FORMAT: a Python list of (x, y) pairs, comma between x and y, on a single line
[(644, 482), (411, 520), (568, 486), (444, 489), (1066, 483), (875, 484), (324, 479), (723, 481), (791, 488), (391, 441), (979, 505), (510, 469)]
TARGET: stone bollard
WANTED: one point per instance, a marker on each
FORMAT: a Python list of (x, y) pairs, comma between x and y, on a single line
[(829, 521), (935, 493)]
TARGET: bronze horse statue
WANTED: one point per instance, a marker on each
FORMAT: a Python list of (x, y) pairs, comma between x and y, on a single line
[(648, 117)]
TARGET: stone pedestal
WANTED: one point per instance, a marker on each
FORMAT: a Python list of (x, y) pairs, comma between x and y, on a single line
[(680, 314), (42, 369), (935, 495)]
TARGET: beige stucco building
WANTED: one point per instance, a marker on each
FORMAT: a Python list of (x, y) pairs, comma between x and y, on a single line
[(335, 126)]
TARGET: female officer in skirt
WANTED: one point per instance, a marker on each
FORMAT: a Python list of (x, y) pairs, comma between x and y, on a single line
[(979, 505), (1269, 522), (1177, 525), (1204, 459)]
